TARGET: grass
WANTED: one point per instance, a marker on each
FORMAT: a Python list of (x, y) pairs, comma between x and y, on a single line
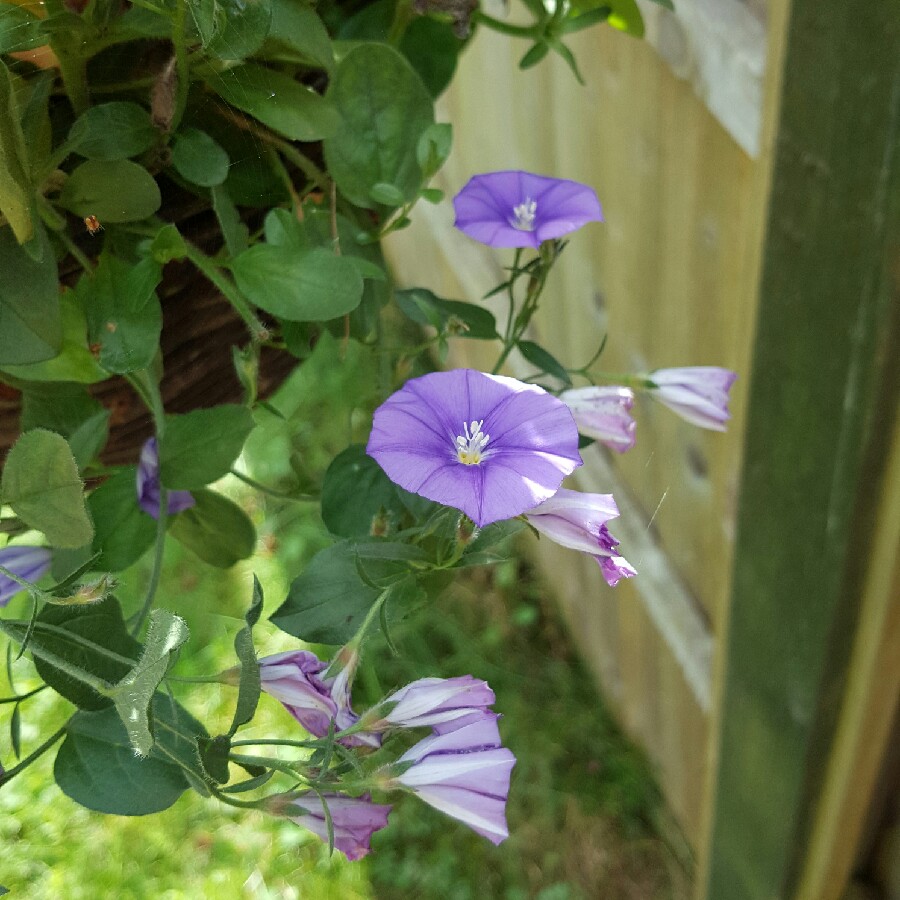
[(583, 803)]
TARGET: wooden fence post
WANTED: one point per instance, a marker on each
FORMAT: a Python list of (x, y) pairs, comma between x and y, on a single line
[(821, 405)]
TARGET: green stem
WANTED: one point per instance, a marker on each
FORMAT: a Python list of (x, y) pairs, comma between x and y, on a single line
[(274, 742), (10, 627), (280, 495), (523, 31), (20, 697), (74, 249), (258, 331), (403, 15), (25, 763)]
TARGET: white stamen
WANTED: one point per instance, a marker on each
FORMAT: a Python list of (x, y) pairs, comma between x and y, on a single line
[(470, 445), (523, 215)]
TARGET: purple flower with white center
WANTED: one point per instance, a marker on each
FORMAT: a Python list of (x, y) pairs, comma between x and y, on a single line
[(578, 521), (295, 678), (353, 820), (519, 209), (430, 701), (488, 445), (148, 484), (699, 394), (29, 563), (603, 413), (464, 773)]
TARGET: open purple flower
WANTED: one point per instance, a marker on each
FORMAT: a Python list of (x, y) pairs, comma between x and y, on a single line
[(430, 701), (699, 394), (603, 413), (464, 773), (295, 678), (485, 444), (353, 820), (148, 484), (578, 521), (29, 563), (518, 209)]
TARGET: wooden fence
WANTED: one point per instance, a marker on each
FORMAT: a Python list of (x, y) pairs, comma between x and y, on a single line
[(748, 173)]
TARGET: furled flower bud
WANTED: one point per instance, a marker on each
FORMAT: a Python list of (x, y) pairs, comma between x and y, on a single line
[(699, 394), (464, 773), (578, 521), (603, 413), (297, 679)]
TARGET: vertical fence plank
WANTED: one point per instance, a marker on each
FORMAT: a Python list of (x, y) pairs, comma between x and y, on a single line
[(823, 340)]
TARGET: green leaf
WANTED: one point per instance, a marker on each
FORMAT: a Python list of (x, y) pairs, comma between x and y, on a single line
[(123, 312), (384, 108), (74, 362), (277, 100), (96, 766), (199, 447), (432, 50), (40, 482), (239, 27), (546, 362), (134, 693), (69, 410), (115, 191), (386, 194), (594, 16), (626, 16), (111, 131), (216, 529), (308, 287), (422, 306), (231, 225), (434, 147), (123, 531), (297, 34), (249, 686), (93, 638), (534, 55), (327, 603), (168, 245), (214, 756), (198, 158), (15, 181), (30, 320), (19, 29), (355, 491)]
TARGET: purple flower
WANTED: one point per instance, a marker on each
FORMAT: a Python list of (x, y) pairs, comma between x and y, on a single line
[(295, 678), (518, 209), (29, 563), (578, 521), (699, 394), (431, 701), (353, 820), (464, 773), (148, 484), (603, 413), (485, 444)]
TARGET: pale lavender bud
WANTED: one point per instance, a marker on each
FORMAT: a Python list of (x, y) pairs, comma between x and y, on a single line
[(464, 773), (430, 701), (353, 820), (603, 413), (29, 563), (699, 394), (315, 701), (578, 521), (148, 484)]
